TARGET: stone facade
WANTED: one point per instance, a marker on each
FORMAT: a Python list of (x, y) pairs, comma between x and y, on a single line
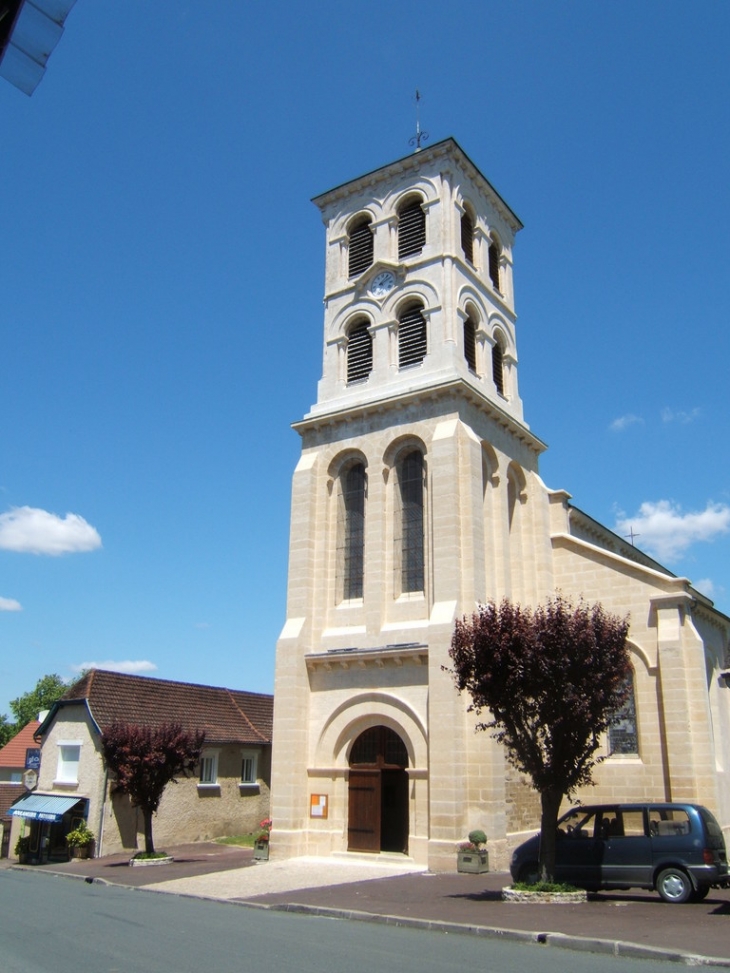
[(420, 374)]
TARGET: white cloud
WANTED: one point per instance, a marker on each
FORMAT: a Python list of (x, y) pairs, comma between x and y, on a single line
[(623, 422), (670, 415), (663, 530), (708, 587), (126, 665), (33, 531), (10, 605)]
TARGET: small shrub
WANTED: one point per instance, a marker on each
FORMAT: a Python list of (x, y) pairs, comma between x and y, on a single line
[(544, 887)]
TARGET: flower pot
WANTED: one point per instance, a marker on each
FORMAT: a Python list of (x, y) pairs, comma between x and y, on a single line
[(473, 862), (261, 850), (80, 851)]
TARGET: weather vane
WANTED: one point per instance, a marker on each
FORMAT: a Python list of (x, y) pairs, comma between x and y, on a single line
[(419, 136)]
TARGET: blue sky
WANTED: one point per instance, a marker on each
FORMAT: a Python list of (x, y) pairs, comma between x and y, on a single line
[(162, 276)]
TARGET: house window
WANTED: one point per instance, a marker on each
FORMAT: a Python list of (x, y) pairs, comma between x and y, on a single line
[(623, 735), (411, 229), (351, 531), (498, 367), (470, 344), (411, 337), (360, 251), (494, 256), (249, 768), (69, 755), (467, 237), (410, 540), (359, 353), (209, 768)]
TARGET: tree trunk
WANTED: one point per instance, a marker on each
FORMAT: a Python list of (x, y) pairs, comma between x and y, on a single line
[(148, 843), (550, 805)]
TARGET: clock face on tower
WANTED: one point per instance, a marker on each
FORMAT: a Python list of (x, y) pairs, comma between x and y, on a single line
[(382, 283)]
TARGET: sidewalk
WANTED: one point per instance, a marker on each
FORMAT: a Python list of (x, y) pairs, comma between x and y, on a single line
[(390, 888)]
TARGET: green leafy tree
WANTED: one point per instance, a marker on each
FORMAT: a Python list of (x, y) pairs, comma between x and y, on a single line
[(27, 707), (552, 680), (7, 730), (144, 760)]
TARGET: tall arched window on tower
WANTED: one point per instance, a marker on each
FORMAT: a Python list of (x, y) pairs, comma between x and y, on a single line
[(410, 537), (359, 352), (495, 252), (411, 228), (498, 366), (470, 344), (351, 532), (412, 340), (360, 250), (467, 236)]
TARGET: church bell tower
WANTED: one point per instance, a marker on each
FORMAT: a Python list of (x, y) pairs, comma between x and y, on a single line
[(407, 509)]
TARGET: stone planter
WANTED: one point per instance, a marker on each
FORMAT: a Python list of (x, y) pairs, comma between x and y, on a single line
[(544, 898), (261, 850), (144, 862), (80, 851), (472, 862)]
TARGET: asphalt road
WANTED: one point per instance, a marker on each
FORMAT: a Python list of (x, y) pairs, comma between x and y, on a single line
[(60, 925)]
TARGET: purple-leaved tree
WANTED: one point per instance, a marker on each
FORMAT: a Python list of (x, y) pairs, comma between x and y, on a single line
[(552, 680), (144, 760)]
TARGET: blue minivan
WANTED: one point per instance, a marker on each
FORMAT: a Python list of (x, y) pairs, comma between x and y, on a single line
[(677, 849)]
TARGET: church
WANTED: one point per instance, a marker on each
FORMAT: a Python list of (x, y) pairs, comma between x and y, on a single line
[(417, 496)]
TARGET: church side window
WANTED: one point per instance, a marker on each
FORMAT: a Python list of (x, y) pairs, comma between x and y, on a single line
[(467, 236), (498, 367), (411, 229), (359, 353), (623, 735), (410, 540), (351, 531), (494, 255), (360, 252), (411, 337), (470, 344)]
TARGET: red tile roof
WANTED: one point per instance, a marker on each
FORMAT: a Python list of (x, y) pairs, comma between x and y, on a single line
[(13, 753), (225, 715)]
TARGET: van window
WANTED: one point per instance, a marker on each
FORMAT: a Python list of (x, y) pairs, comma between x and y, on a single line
[(578, 824), (633, 823), (711, 825), (668, 821)]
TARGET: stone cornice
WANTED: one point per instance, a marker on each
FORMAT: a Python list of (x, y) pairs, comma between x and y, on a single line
[(392, 656), (454, 388)]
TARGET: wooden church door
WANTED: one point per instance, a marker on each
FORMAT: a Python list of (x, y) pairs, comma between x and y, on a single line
[(378, 792)]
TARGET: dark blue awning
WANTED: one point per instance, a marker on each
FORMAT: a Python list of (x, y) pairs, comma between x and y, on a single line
[(44, 807)]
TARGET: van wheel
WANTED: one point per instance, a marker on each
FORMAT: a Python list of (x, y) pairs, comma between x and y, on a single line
[(701, 893), (673, 885), (529, 874)]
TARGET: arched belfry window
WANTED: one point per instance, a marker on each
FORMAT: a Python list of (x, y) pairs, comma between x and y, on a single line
[(498, 367), (623, 735), (494, 261), (470, 344), (410, 523), (467, 236), (359, 353), (351, 532), (412, 340), (411, 228), (360, 251)]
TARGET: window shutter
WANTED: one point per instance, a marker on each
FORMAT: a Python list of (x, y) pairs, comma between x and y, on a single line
[(360, 254), (411, 338), (497, 368), (494, 264), (359, 354), (467, 237), (411, 230), (470, 344)]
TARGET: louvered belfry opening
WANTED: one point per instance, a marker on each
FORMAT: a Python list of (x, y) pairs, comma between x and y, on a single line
[(410, 544), (411, 229), (494, 264), (467, 237), (351, 531), (360, 253), (359, 353), (411, 337), (470, 344), (498, 367)]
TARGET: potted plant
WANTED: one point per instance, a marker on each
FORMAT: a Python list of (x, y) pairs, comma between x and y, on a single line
[(261, 840), (472, 855), (80, 840), (22, 849)]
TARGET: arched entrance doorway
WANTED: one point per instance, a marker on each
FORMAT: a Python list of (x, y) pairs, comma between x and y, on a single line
[(378, 792)]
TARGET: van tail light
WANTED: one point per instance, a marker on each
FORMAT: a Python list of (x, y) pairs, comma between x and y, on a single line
[(708, 857)]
